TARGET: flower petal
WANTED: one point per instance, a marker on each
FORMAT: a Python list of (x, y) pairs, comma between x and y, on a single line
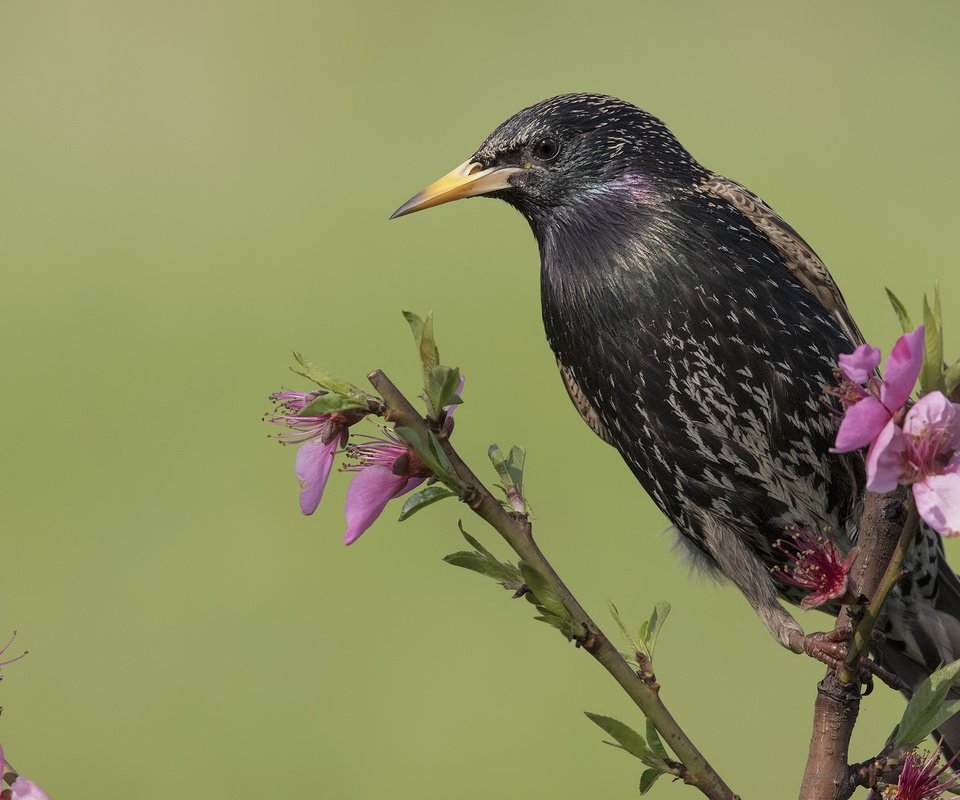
[(938, 501), (902, 368), (933, 412), (369, 492), (314, 461), (860, 365), (885, 459), (25, 789), (861, 424)]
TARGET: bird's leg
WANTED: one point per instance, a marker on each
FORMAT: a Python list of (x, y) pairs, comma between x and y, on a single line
[(753, 579), (830, 648)]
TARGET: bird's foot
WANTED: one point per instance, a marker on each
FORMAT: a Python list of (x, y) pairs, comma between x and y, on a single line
[(830, 648)]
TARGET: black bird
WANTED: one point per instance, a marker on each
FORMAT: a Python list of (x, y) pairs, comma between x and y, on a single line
[(695, 330)]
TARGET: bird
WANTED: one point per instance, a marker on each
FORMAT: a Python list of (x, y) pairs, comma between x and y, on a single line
[(695, 330)]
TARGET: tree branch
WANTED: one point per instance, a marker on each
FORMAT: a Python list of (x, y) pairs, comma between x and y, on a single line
[(885, 533), (516, 531)]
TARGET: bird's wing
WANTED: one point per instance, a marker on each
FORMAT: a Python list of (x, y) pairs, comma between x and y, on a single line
[(799, 257), (582, 404)]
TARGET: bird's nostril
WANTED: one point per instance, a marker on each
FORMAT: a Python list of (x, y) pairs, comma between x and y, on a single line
[(474, 168)]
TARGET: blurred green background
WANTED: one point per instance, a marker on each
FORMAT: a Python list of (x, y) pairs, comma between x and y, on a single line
[(190, 190)]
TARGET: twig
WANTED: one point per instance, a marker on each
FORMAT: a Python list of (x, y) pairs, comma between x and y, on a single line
[(883, 530), (516, 530)]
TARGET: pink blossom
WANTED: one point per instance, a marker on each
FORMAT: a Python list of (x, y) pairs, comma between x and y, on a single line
[(386, 468), (921, 780), (25, 789), (871, 404), (21, 788), (816, 564), (924, 453), (319, 437)]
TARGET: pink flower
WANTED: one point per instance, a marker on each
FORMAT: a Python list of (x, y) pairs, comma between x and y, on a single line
[(920, 780), (872, 404), (386, 468), (924, 453), (320, 436), (25, 789), (20, 788), (816, 564)]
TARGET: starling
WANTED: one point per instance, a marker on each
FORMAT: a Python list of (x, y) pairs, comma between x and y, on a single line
[(695, 331)]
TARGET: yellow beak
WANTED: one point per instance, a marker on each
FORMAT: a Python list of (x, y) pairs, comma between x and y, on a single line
[(467, 180)]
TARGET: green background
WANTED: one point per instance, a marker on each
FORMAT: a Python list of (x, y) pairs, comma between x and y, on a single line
[(190, 190)]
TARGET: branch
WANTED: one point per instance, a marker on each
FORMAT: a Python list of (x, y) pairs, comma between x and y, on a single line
[(885, 533), (516, 531)]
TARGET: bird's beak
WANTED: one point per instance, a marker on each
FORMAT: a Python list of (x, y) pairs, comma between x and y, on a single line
[(467, 180)]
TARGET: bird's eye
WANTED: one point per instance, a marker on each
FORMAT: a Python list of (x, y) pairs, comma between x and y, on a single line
[(546, 149)]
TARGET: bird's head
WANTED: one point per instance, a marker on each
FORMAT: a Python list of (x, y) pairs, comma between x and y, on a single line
[(560, 151)]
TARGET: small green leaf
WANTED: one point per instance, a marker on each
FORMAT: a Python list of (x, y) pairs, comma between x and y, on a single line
[(650, 630), (565, 625), (442, 385), (654, 743), (629, 740), (951, 378), (483, 561), (543, 594), (431, 453), (328, 403), (926, 708), (427, 497), (933, 351), (500, 572), (510, 471), (416, 325), (615, 613), (312, 372), (902, 313), (649, 778)]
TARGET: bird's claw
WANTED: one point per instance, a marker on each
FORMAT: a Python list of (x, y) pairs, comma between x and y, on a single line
[(830, 648)]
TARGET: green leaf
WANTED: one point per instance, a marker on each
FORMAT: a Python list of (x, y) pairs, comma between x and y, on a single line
[(629, 740), (649, 778), (902, 313), (543, 594), (422, 330), (416, 325), (615, 613), (328, 403), (427, 497), (483, 561), (654, 743), (442, 385), (431, 453), (933, 350), (502, 573), (510, 471), (312, 372), (565, 625), (650, 630), (926, 708), (951, 378)]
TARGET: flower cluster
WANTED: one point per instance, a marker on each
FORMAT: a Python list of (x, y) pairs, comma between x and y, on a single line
[(386, 467), (916, 445)]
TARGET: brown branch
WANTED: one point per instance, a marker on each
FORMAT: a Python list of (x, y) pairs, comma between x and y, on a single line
[(883, 529), (516, 530)]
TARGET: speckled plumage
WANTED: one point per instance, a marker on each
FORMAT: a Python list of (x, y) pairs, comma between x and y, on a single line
[(695, 331)]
